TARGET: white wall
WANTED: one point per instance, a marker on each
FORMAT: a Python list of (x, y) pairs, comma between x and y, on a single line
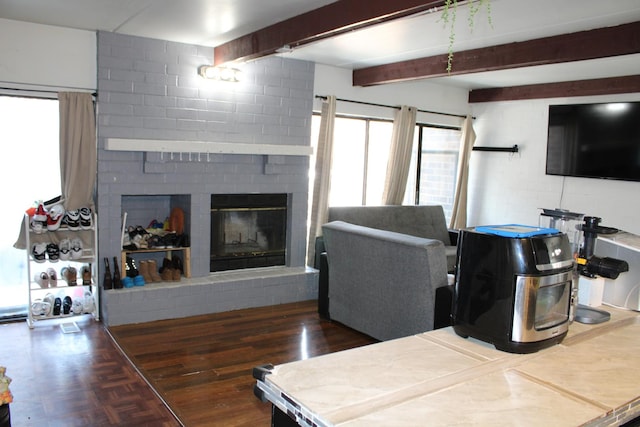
[(53, 58), (510, 188), (422, 95)]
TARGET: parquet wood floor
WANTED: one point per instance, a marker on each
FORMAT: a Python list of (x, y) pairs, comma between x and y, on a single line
[(76, 379), (201, 366)]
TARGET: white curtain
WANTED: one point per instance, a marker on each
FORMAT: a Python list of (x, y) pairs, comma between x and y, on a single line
[(399, 156), (459, 214), (322, 180)]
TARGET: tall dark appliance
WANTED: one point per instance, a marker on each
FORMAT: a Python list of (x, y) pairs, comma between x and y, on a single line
[(514, 286)]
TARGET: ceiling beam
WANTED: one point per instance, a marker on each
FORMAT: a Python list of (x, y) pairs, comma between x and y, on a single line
[(605, 86), (583, 45), (328, 21)]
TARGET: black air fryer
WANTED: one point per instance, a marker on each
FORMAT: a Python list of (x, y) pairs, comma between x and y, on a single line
[(514, 286)]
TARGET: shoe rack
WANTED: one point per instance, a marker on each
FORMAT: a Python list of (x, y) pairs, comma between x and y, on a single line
[(87, 257), (186, 257)]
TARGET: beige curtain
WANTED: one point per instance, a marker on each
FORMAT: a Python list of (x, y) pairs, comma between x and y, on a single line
[(459, 214), (78, 153), (399, 156), (78, 158), (322, 180)]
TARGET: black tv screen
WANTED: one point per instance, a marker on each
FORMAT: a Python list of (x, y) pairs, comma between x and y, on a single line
[(594, 140)]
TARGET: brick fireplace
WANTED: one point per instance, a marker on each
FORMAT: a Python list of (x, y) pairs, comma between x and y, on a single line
[(149, 90)]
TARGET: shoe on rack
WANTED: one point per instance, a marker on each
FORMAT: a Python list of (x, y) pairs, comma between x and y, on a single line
[(72, 220), (50, 300), (38, 221), (66, 305), (85, 272), (57, 305), (42, 279), (54, 217), (77, 307), (138, 281), (38, 252), (130, 268), (85, 218), (40, 308), (144, 271), (107, 282), (76, 248), (53, 252), (53, 277), (127, 282), (152, 268), (37, 227), (70, 275), (65, 249), (88, 303)]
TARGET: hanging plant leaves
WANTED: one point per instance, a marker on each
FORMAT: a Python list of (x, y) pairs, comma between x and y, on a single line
[(448, 17)]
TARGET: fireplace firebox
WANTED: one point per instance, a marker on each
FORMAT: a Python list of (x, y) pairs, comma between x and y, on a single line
[(248, 231)]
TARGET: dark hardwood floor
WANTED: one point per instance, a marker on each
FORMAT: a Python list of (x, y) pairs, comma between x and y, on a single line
[(201, 366)]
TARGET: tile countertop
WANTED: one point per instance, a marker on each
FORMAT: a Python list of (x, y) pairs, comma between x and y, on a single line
[(592, 378)]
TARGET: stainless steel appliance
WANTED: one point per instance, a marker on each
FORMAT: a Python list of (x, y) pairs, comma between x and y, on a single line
[(514, 286)]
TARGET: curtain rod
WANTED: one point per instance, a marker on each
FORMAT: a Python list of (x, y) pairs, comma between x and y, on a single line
[(94, 94), (392, 106)]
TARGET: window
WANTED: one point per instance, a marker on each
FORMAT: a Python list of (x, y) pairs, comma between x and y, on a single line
[(360, 152), (31, 172)]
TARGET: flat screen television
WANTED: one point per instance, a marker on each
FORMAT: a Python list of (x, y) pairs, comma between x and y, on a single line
[(594, 140)]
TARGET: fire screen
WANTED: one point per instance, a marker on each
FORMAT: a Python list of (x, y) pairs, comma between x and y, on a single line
[(248, 231)]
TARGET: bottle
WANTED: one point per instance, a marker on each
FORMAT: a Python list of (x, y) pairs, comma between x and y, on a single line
[(117, 283), (107, 282)]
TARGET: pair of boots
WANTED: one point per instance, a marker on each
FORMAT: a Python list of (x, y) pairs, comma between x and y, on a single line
[(149, 270), (172, 269)]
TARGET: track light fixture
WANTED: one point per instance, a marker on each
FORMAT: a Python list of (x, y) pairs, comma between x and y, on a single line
[(224, 74)]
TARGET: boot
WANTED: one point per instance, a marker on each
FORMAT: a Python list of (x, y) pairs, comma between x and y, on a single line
[(152, 268), (117, 280), (144, 271), (176, 265), (166, 272), (107, 283)]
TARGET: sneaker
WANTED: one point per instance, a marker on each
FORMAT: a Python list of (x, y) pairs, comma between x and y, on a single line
[(53, 252), (38, 252), (39, 219), (88, 304), (40, 308), (85, 272), (42, 279), (72, 220), (53, 277), (49, 299), (76, 248), (85, 218), (37, 227), (66, 305), (65, 249), (77, 307), (54, 217), (57, 305), (70, 275)]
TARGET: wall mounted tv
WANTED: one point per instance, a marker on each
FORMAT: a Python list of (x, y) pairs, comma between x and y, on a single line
[(594, 140)]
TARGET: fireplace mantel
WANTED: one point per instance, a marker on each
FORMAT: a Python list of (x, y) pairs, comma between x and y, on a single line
[(168, 146)]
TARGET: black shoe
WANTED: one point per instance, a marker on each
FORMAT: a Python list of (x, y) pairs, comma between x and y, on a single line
[(56, 306), (132, 270), (66, 305)]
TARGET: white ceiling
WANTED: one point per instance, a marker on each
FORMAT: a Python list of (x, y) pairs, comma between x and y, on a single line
[(213, 22)]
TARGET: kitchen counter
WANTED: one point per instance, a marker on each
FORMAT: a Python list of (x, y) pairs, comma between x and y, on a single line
[(438, 378)]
